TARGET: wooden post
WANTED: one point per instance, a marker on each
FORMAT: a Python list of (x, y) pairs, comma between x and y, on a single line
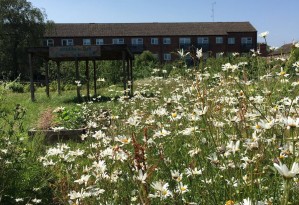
[(87, 78), (58, 77), (94, 78), (131, 76), (31, 78), (128, 77), (47, 78), (124, 72), (77, 78)]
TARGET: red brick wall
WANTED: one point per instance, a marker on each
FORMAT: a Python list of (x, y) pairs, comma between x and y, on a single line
[(161, 48)]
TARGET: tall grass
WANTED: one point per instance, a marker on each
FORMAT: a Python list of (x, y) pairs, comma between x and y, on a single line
[(223, 133)]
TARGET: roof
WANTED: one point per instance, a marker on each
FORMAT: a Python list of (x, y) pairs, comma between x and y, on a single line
[(147, 29), (285, 49)]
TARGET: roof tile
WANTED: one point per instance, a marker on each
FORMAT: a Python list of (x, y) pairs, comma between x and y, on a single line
[(147, 29)]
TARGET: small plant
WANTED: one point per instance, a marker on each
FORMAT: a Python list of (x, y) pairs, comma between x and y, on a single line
[(16, 86), (71, 118)]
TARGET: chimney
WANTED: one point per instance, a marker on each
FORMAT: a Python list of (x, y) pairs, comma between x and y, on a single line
[(263, 49)]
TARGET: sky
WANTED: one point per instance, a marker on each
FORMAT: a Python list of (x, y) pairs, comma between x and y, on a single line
[(279, 17)]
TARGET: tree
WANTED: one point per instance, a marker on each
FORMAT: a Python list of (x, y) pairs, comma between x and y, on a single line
[(21, 26)]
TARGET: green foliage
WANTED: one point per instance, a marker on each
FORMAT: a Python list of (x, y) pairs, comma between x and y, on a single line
[(144, 65), (21, 26), (16, 87), (111, 71), (21, 176), (69, 118), (294, 56)]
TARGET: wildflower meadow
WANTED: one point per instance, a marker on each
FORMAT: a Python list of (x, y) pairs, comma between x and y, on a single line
[(223, 131)]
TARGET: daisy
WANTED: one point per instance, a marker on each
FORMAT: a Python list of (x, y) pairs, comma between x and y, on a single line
[(285, 172), (161, 189)]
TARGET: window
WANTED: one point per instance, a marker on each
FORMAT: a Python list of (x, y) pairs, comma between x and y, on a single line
[(154, 41), (219, 40), (67, 42), (231, 40), (48, 42), (137, 41), (246, 40), (118, 41), (185, 41), (166, 41), (86, 42), (167, 56), (99, 41), (203, 40)]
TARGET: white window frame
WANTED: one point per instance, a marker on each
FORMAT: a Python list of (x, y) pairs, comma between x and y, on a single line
[(203, 40), (185, 40), (246, 40), (86, 42), (99, 41), (231, 40), (219, 40), (67, 42), (49, 42), (137, 41), (118, 41), (167, 41), (154, 41), (167, 56)]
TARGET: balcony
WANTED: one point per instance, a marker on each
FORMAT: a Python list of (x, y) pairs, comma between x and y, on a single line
[(136, 49)]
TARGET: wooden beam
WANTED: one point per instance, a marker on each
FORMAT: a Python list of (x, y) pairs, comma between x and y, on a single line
[(47, 78), (94, 78), (87, 78), (128, 77), (124, 72), (131, 76), (31, 77), (77, 78), (58, 77)]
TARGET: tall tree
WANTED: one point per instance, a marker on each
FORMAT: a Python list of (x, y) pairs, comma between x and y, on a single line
[(21, 26)]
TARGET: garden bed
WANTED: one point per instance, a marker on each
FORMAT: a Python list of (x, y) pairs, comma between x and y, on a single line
[(59, 135)]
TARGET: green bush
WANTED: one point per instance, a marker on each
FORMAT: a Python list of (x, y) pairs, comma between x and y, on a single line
[(16, 87)]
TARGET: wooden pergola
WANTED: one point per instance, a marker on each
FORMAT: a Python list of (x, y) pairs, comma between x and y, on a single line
[(83, 53)]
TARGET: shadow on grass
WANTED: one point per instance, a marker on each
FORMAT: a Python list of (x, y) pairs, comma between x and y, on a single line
[(101, 99)]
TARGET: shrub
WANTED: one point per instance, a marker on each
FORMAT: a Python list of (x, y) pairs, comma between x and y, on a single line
[(16, 87)]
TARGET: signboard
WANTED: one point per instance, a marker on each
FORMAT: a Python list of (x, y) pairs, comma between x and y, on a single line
[(75, 52)]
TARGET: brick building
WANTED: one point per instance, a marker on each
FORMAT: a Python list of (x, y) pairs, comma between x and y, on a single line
[(162, 39)]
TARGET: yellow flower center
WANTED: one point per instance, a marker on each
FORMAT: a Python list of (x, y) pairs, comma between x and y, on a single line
[(281, 157), (174, 114), (183, 188), (164, 192), (125, 140), (230, 202), (282, 73)]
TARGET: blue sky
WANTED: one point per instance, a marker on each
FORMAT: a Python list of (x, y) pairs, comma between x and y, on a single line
[(279, 17)]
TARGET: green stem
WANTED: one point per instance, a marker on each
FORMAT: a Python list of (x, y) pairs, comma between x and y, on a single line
[(286, 191)]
